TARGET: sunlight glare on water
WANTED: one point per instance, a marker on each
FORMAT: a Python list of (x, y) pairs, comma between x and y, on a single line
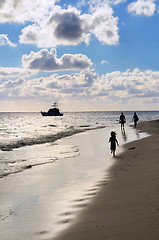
[(22, 131)]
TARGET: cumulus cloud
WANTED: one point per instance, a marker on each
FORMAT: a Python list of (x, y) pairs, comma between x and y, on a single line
[(104, 25), (130, 84), (11, 88), (8, 72), (142, 7), (48, 25), (25, 10), (4, 40), (77, 84), (12, 84), (45, 60), (122, 87), (69, 26)]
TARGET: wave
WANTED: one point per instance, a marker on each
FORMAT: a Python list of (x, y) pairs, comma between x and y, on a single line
[(19, 169), (37, 159), (82, 126), (44, 139)]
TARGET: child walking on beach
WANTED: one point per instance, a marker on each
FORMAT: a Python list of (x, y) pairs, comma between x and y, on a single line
[(113, 141)]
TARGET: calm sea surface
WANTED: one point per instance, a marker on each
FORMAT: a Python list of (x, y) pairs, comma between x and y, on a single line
[(22, 131)]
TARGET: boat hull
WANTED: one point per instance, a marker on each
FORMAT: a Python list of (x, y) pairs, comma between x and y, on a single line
[(51, 114)]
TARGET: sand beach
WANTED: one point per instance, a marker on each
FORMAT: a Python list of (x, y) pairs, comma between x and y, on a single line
[(127, 205)]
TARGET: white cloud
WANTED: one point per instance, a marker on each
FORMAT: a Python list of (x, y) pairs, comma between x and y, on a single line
[(25, 10), (49, 25), (81, 3), (104, 62), (77, 84), (70, 27), (104, 25), (48, 61), (87, 90), (8, 72), (94, 4), (142, 7), (115, 2), (4, 40), (12, 84), (125, 86), (129, 85)]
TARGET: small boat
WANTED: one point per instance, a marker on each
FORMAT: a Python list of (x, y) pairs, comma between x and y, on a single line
[(53, 111)]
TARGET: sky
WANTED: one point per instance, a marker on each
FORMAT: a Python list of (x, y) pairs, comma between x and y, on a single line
[(95, 55)]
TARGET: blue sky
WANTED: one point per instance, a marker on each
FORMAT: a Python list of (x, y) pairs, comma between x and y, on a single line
[(88, 55)]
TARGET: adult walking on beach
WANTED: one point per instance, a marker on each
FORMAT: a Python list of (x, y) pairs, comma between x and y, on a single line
[(135, 119), (122, 120)]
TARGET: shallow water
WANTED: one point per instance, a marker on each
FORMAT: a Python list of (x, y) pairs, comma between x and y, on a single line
[(20, 132), (41, 201)]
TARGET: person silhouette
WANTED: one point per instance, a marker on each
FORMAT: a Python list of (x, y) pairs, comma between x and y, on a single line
[(113, 141), (122, 120), (135, 119)]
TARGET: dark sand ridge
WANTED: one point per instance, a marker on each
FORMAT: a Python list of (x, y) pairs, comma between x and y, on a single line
[(127, 206)]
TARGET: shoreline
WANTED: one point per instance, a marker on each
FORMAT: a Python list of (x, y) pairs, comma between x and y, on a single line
[(42, 201), (127, 205)]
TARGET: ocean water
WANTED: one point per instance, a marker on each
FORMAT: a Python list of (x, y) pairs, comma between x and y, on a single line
[(22, 131)]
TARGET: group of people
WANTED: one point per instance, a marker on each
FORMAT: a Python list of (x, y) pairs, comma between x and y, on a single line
[(122, 120)]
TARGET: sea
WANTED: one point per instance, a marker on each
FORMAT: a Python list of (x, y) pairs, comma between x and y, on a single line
[(23, 130)]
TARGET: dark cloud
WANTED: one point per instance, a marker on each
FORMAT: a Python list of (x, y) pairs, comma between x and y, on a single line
[(2, 2), (110, 34), (69, 26)]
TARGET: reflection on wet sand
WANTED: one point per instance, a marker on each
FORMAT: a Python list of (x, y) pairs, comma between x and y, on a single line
[(124, 134)]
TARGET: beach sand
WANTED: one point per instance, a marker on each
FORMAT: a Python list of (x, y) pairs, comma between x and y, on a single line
[(127, 205), (89, 196)]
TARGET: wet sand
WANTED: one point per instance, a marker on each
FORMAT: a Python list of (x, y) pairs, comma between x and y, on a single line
[(127, 205), (69, 195), (43, 200)]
